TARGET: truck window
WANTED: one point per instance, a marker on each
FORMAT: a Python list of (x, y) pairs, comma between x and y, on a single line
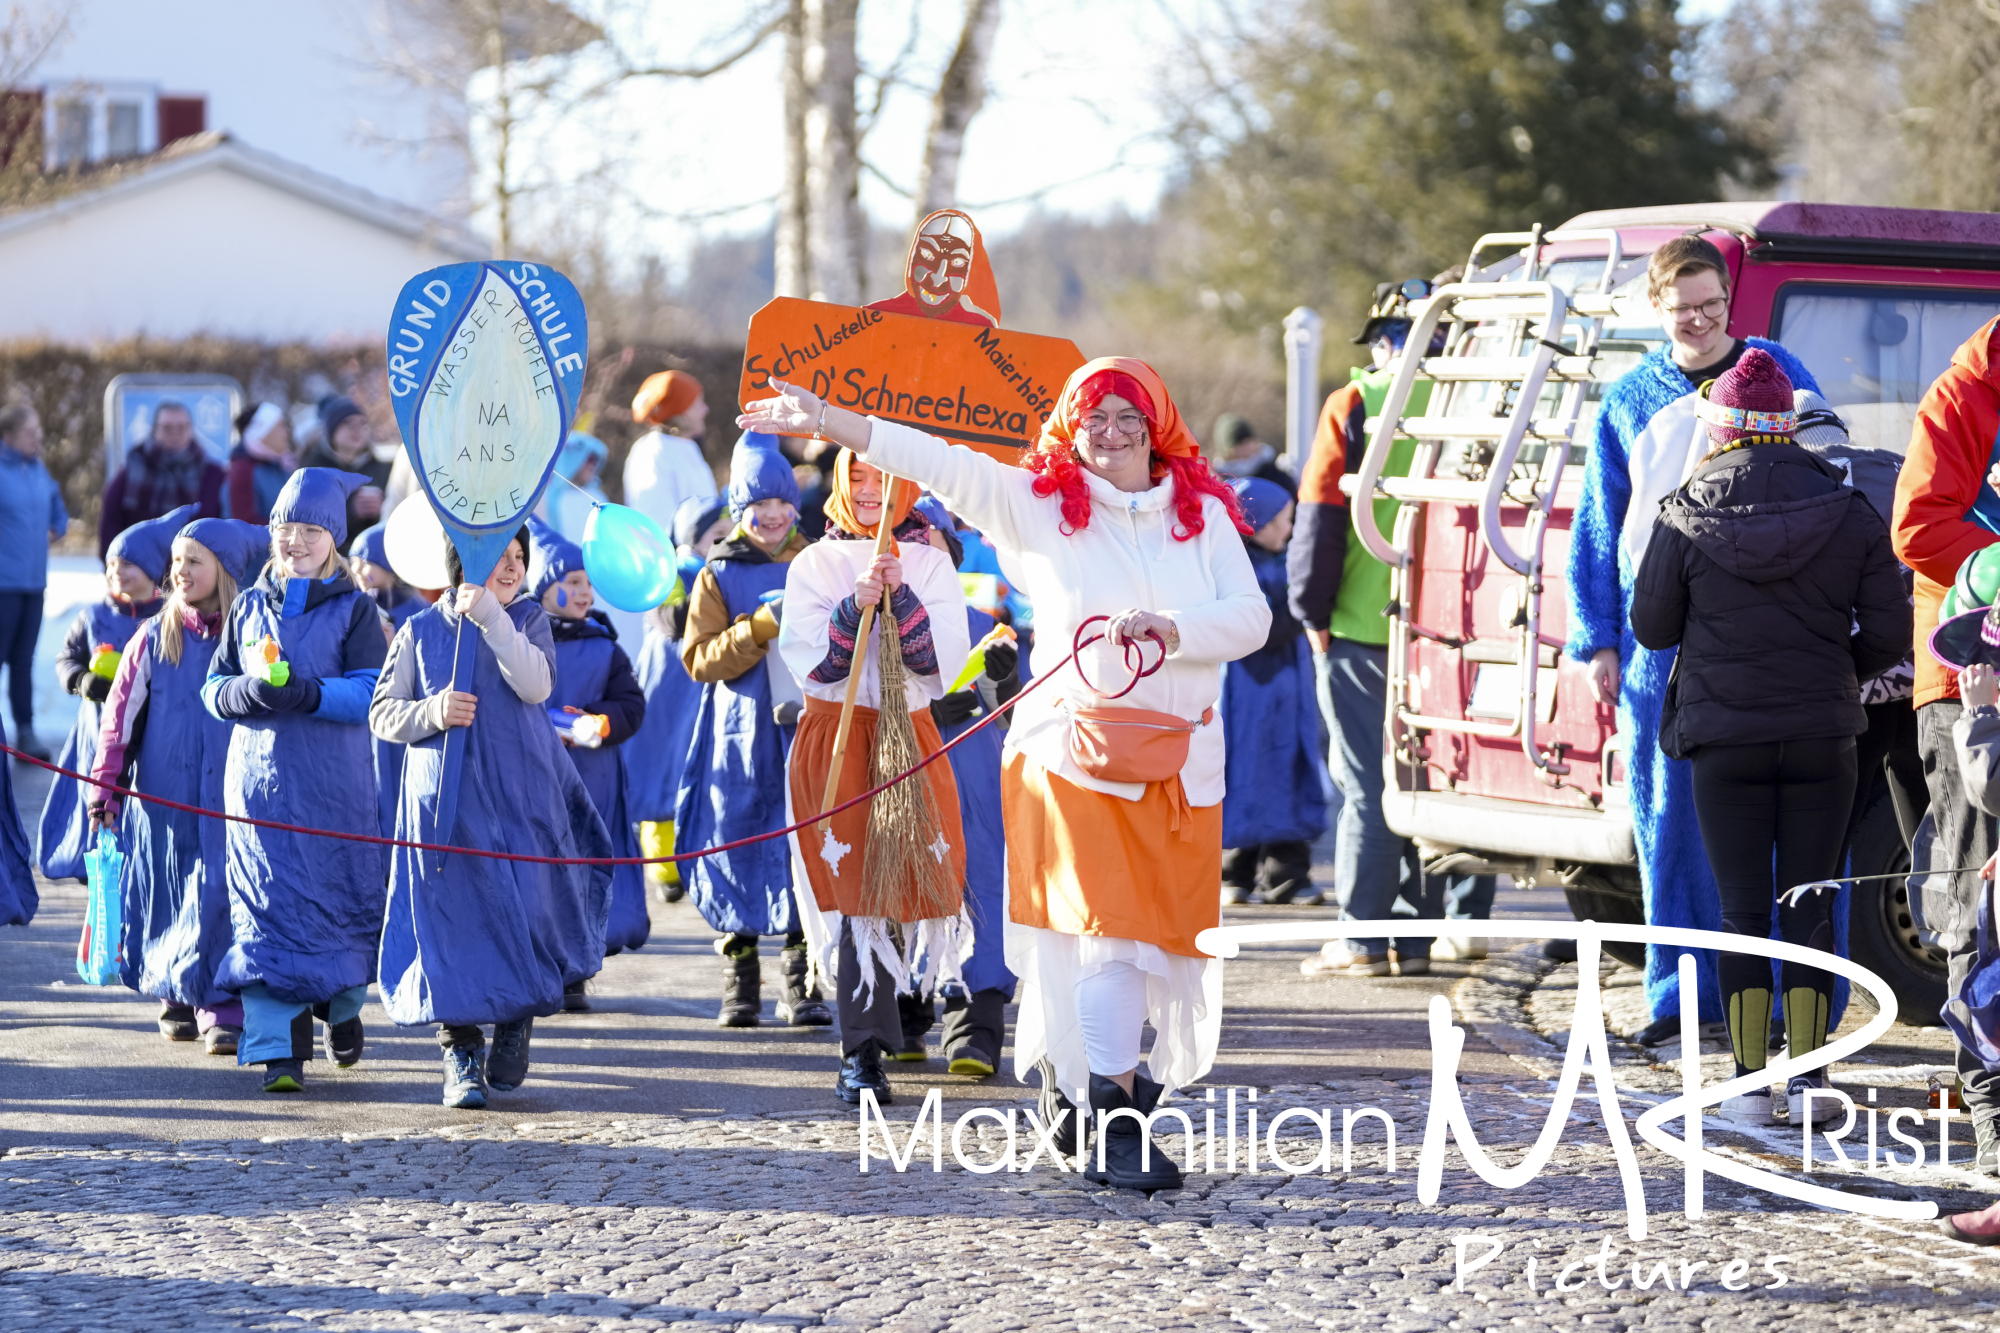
[(1876, 350)]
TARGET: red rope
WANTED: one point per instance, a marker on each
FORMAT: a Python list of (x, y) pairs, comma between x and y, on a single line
[(786, 831)]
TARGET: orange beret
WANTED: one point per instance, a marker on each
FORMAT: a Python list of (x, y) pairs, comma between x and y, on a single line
[(665, 396)]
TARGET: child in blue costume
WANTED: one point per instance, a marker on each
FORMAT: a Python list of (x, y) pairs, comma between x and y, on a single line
[(472, 940), (368, 566), (593, 678), (305, 911), (975, 1018), (735, 783), (1278, 790), (1674, 873), (158, 739), (654, 760), (135, 565), (18, 896)]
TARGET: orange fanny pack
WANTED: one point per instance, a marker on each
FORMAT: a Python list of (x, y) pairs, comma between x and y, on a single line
[(1130, 744)]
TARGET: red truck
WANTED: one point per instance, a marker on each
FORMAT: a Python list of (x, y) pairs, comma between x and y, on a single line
[(1502, 755)]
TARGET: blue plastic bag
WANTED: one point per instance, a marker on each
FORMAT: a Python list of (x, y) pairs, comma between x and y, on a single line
[(100, 951)]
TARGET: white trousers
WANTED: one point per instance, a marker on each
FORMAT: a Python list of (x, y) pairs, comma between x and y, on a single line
[(1111, 1010)]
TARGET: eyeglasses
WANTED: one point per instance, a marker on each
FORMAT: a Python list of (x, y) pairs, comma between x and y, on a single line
[(1100, 425), (294, 532), (1709, 310)]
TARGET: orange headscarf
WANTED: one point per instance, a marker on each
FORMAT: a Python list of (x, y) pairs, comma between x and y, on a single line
[(665, 396), (1171, 437), (840, 504)]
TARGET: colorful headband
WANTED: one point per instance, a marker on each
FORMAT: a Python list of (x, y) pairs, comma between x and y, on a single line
[(1744, 418)]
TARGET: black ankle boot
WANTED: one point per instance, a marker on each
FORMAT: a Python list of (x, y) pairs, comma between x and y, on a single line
[(862, 1069), (742, 993), (1051, 1105), (1122, 1142), (801, 1005)]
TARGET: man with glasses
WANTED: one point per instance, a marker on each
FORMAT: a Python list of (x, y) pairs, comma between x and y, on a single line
[(1642, 454), (1338, 592), (168, 470)]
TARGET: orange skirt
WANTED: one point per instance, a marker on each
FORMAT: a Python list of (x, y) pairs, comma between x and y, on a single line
[(1084, 863), (834, 869)]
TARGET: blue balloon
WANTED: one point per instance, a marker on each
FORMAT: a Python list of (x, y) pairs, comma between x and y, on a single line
[(630, 560)]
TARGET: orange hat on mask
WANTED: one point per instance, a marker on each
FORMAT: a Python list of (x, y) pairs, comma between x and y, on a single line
[(840, 504), (665, 396)]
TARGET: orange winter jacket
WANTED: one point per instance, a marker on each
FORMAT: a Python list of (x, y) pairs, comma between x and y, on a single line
[(1951, 448)]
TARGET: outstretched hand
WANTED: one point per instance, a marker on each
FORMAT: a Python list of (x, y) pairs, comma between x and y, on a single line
[(796, 411)]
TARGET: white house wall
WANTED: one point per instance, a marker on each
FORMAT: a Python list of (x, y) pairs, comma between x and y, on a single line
[(213, 251)]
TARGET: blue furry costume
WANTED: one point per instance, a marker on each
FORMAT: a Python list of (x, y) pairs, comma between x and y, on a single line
[(1674, 874)]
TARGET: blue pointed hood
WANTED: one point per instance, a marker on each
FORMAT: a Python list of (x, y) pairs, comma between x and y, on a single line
[(241, 547), (372, 544), (551, 556), (1262, 500), (696, 515), (318, 495), (149, 544), (759, 471)]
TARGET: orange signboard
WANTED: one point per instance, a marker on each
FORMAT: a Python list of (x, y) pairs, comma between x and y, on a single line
[(986, 387)]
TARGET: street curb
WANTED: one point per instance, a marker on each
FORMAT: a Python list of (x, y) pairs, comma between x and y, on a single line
[(1492, 1001)]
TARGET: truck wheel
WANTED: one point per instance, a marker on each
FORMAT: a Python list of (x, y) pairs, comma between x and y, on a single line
[(1881, 929), (1610, 895)]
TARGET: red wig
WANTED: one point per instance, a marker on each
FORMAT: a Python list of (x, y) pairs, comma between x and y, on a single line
[(1057, 471)]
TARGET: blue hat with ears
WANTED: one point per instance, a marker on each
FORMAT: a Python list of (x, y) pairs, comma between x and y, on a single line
[(372, 544), (241, 547), (759, 471), (1262, 500), (318, 495), (551, 556), (696, 515), (149, 544), (939, 517)]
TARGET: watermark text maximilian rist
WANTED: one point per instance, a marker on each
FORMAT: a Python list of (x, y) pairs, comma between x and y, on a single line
[(1232, 1133)]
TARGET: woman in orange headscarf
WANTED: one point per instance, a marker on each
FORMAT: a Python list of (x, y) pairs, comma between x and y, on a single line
[(1112, 870), (875, 931)]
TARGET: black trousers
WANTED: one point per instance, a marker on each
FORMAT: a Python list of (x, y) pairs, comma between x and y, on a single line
[(879, 1018), (1774, 815), (1965, 838), (20, 626)]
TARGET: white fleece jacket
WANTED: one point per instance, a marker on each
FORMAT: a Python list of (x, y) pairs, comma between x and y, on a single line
[(1126, 557)]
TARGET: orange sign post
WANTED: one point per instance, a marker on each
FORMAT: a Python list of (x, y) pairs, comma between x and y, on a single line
[(991, 388)]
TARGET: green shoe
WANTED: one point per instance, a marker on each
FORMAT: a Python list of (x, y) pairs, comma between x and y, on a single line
[(284, 1076)]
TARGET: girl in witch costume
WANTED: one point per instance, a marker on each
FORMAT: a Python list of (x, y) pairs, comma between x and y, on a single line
[(595, 687), (294, 668), (134, 567), (659, 749), (858, 863), (733, 785), (1108, 881), (473, 940), (158, 739)]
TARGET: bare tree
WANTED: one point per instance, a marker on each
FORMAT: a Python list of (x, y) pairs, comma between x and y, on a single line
[(27, 38), (837, 237), (960, 93), (793, 262), (1952, 74)]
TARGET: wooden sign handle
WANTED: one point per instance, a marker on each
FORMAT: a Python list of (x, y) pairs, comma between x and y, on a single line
[(884, 536)]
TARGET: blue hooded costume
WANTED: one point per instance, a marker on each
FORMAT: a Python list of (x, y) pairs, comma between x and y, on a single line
[(734, 784), (593, 675), (65, 829), (306, 911), (1674, 873), (176, 888), (1278, 789), (472, 940), (18, 895), (659, 751), (398, 603), (975, 766)]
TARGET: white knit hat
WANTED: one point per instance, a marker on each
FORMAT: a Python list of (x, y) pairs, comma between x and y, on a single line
[(1819, 426)]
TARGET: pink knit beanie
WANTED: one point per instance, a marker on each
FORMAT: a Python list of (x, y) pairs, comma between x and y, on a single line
[(1752, 397)]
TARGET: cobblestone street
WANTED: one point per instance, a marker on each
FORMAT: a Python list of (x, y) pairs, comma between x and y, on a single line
[(658, 1173)]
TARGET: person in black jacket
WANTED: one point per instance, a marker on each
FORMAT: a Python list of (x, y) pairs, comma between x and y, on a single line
[(1779, 586)]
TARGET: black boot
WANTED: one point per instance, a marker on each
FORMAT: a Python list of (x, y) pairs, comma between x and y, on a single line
[(862, 1069), (975, 1029), (1052, 1104), (345, 1042), (1124, 1141), (742, 992), (177, 1022), (917, 1013), (507, 1066), (801, 1005), (574, 999)]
